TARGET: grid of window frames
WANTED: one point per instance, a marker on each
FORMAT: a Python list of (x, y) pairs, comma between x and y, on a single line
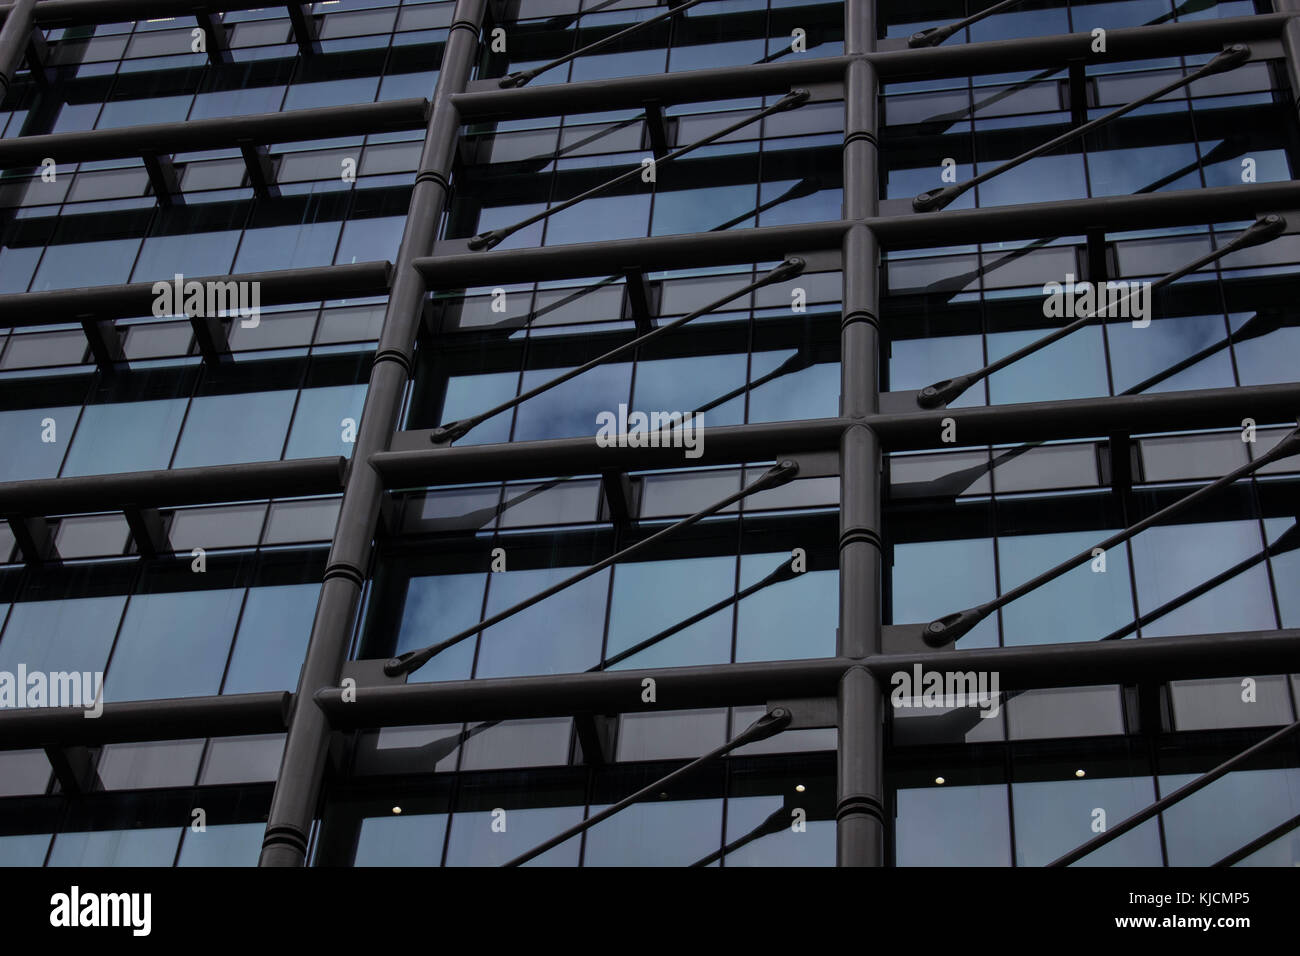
[(293, 387)]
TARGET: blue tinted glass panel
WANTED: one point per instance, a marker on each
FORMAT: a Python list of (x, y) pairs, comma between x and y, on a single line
[(32, 457), (173, 645), (272, 639), (155, 847), (232, 844), (640, 611), (436, 608), (474, 842), (226, 429), (557, 636), (127, 436), (406, 840), (319, 423)]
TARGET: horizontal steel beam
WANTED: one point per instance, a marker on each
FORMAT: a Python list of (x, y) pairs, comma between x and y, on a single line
[(726, 444), (1183, 207), (720, 685), (295, 478), (554, 695), (487, 101), (1088, 417), (232, 715), (453, 266), (1087, 663), (66, 13), (226, 132), (414, 461), (135, 300), (1042, 52)]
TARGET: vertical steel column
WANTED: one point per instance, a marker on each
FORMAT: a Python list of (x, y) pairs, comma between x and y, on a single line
[(297, 789), (859, 812), (1291, 44), (15, 33)]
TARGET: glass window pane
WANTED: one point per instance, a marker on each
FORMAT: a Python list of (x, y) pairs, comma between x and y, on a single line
[(272, 639), (126, 436), (148, 847), (223, 844), (156, 658), (227, 429)]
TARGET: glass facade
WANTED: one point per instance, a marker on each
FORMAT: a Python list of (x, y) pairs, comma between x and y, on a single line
[(301, 508)]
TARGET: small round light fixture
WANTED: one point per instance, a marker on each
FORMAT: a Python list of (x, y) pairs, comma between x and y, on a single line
[(799, 788), (397, 809), (1079, 773), (939, 780)]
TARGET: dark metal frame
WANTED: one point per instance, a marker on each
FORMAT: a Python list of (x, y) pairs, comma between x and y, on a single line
[(869, 422)]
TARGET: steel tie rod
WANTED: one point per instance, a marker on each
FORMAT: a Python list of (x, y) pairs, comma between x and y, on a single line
[(792, 100), (791, 267), (1232, 57), (779, 474), (938, 395), (949, 628), (769, 725)]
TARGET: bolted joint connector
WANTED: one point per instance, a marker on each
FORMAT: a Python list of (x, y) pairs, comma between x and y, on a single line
[(396, 666), (769, 725), (449, 432), (779, 474), (791, 267), (516, 79), (1233, 55), (486, 240), (1264, 229), (1288, 446), (935, 199), (931, 37), (949, 628), (940, 394), (792, 99)]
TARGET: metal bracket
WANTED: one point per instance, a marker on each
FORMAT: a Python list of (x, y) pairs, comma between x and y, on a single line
[(596, 738), (657, 129), (904, 639), (163, 178), (38, 57), (642, 300), (370, 673), (211, 336), (215, 30), (105, 340), (809, 713), (75, 769), (815, 464), (304, 28), (620, 497), (34, 538), (148, 531), (261, 172)]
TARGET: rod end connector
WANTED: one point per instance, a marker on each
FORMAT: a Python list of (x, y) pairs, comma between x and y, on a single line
[(941, 393), (486, 240), (951, 627), (933, 200), (444, 434)]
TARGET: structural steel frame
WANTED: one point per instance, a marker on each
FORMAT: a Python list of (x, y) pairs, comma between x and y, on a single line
[(869, 422)]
